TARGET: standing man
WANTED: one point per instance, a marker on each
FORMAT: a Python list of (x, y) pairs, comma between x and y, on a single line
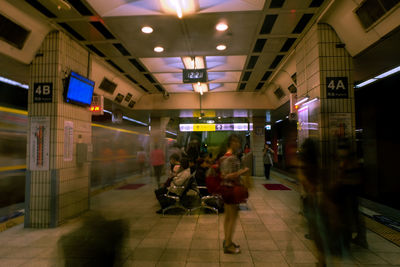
[(268, 154), (157, 161)]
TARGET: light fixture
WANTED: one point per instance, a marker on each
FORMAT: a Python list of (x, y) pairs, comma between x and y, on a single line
[(158, 49), (200, 87), (301, 101), (221, 47), (191, 63), (309, 102), (12, 82), (179, 7), (147, 29), (221, 27), (380, 76)]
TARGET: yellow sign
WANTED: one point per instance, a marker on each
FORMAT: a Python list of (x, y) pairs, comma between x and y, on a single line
[(203, 127), (206, 113)]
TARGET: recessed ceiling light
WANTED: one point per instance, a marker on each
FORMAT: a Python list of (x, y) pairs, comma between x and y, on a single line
[(158, 49), (221, 27), (221, 47), (147, 29)]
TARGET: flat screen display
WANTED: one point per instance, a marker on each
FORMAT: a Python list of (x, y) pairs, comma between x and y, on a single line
[(79, 90)]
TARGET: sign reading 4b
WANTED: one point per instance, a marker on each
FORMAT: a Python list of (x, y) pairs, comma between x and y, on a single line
[(42, 92), (337, 87)]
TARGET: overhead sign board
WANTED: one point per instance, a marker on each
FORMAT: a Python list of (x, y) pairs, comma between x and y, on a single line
[(208, 127)]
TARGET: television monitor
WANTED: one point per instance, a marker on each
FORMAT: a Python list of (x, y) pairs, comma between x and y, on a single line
[(79, 90)]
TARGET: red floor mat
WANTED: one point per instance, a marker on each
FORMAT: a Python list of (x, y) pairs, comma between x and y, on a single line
[(130, 187), (276, 187)]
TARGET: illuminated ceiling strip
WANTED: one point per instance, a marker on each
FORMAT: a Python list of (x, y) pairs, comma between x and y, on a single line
[(171, 133), (200, 87), (133, 120), (301, 101), (191, 63), (11, 82), (309, 102), (380, 76)]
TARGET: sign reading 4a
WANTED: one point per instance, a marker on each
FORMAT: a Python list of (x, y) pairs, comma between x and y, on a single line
[(337, 87)]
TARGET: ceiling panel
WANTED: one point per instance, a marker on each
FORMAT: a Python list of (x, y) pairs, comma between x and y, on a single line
[(225, 63), (179, 88), (229, 76), (166, 64)]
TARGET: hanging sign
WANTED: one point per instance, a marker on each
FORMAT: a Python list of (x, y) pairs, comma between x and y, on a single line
[(337, 87), (39, 143)]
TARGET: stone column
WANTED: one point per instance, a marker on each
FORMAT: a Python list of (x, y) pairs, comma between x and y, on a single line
[(324, 71), (57, 188), (257, 141)]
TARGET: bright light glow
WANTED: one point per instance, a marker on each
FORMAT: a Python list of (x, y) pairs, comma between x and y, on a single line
[(390, 72), (221, 47), (171, 133), (268, 127), (191, 63), (303, 108), (301, 101), (147, 29), (158, 49), (365, 83), (200, 87), (132, 120), (221, 27), (178, 7), (11, 82), (210, 121), (278, 121), (309, 102), (106, 111)]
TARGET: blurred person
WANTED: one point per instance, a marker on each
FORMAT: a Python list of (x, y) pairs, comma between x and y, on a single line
[(193, 150), (268, 155), (311, 195), (346, 187), (232, 191), (98, 242), (246, 149), (141, 159), (157, 161), (181, 176)]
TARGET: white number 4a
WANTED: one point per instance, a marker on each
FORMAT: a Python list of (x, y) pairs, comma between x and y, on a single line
[(339, 86)]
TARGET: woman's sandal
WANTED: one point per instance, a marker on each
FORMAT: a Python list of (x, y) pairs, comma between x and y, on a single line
[(236, 246)]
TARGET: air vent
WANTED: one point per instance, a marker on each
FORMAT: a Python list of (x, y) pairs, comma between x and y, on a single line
[(144, 89), (80, 7), (12, 33), (128, 97), (259, 85), (246, 76), (276, 61), (292, 89), (242, 86), (95, 50), (107, 85), (121, 49), (71, 31), (372, 10), (259, 46), (119, 98), (150, 78), (268, 24), (266, 75), (130, 78), (316, 3), (302, 23), (131, 104), (252, 62), (279, 93), (102, 29), (276, 3), (109, 61), (159, 88), (137, 65), (288, 44), (42, 9)]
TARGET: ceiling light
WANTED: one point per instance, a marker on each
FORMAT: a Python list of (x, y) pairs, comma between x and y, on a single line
[(147, 29), (200, 87), (390, 72), (221, 47), (221, 27), (179, 7), (301, 101), (191, 63), (158, 49)]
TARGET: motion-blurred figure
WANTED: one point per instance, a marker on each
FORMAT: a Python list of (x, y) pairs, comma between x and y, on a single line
[(346, 187), (157, 161), (141, 159), (98, 242), (268, 155)]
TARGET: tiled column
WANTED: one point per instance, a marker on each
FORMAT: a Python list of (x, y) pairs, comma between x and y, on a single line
[(57, 188), (257, 141), (324, 71)]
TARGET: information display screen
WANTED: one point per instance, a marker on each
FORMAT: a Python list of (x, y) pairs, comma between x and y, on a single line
[(79, 90), (194, 75)]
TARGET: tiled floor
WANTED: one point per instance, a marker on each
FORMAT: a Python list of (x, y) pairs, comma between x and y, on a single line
[(271, 233)]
